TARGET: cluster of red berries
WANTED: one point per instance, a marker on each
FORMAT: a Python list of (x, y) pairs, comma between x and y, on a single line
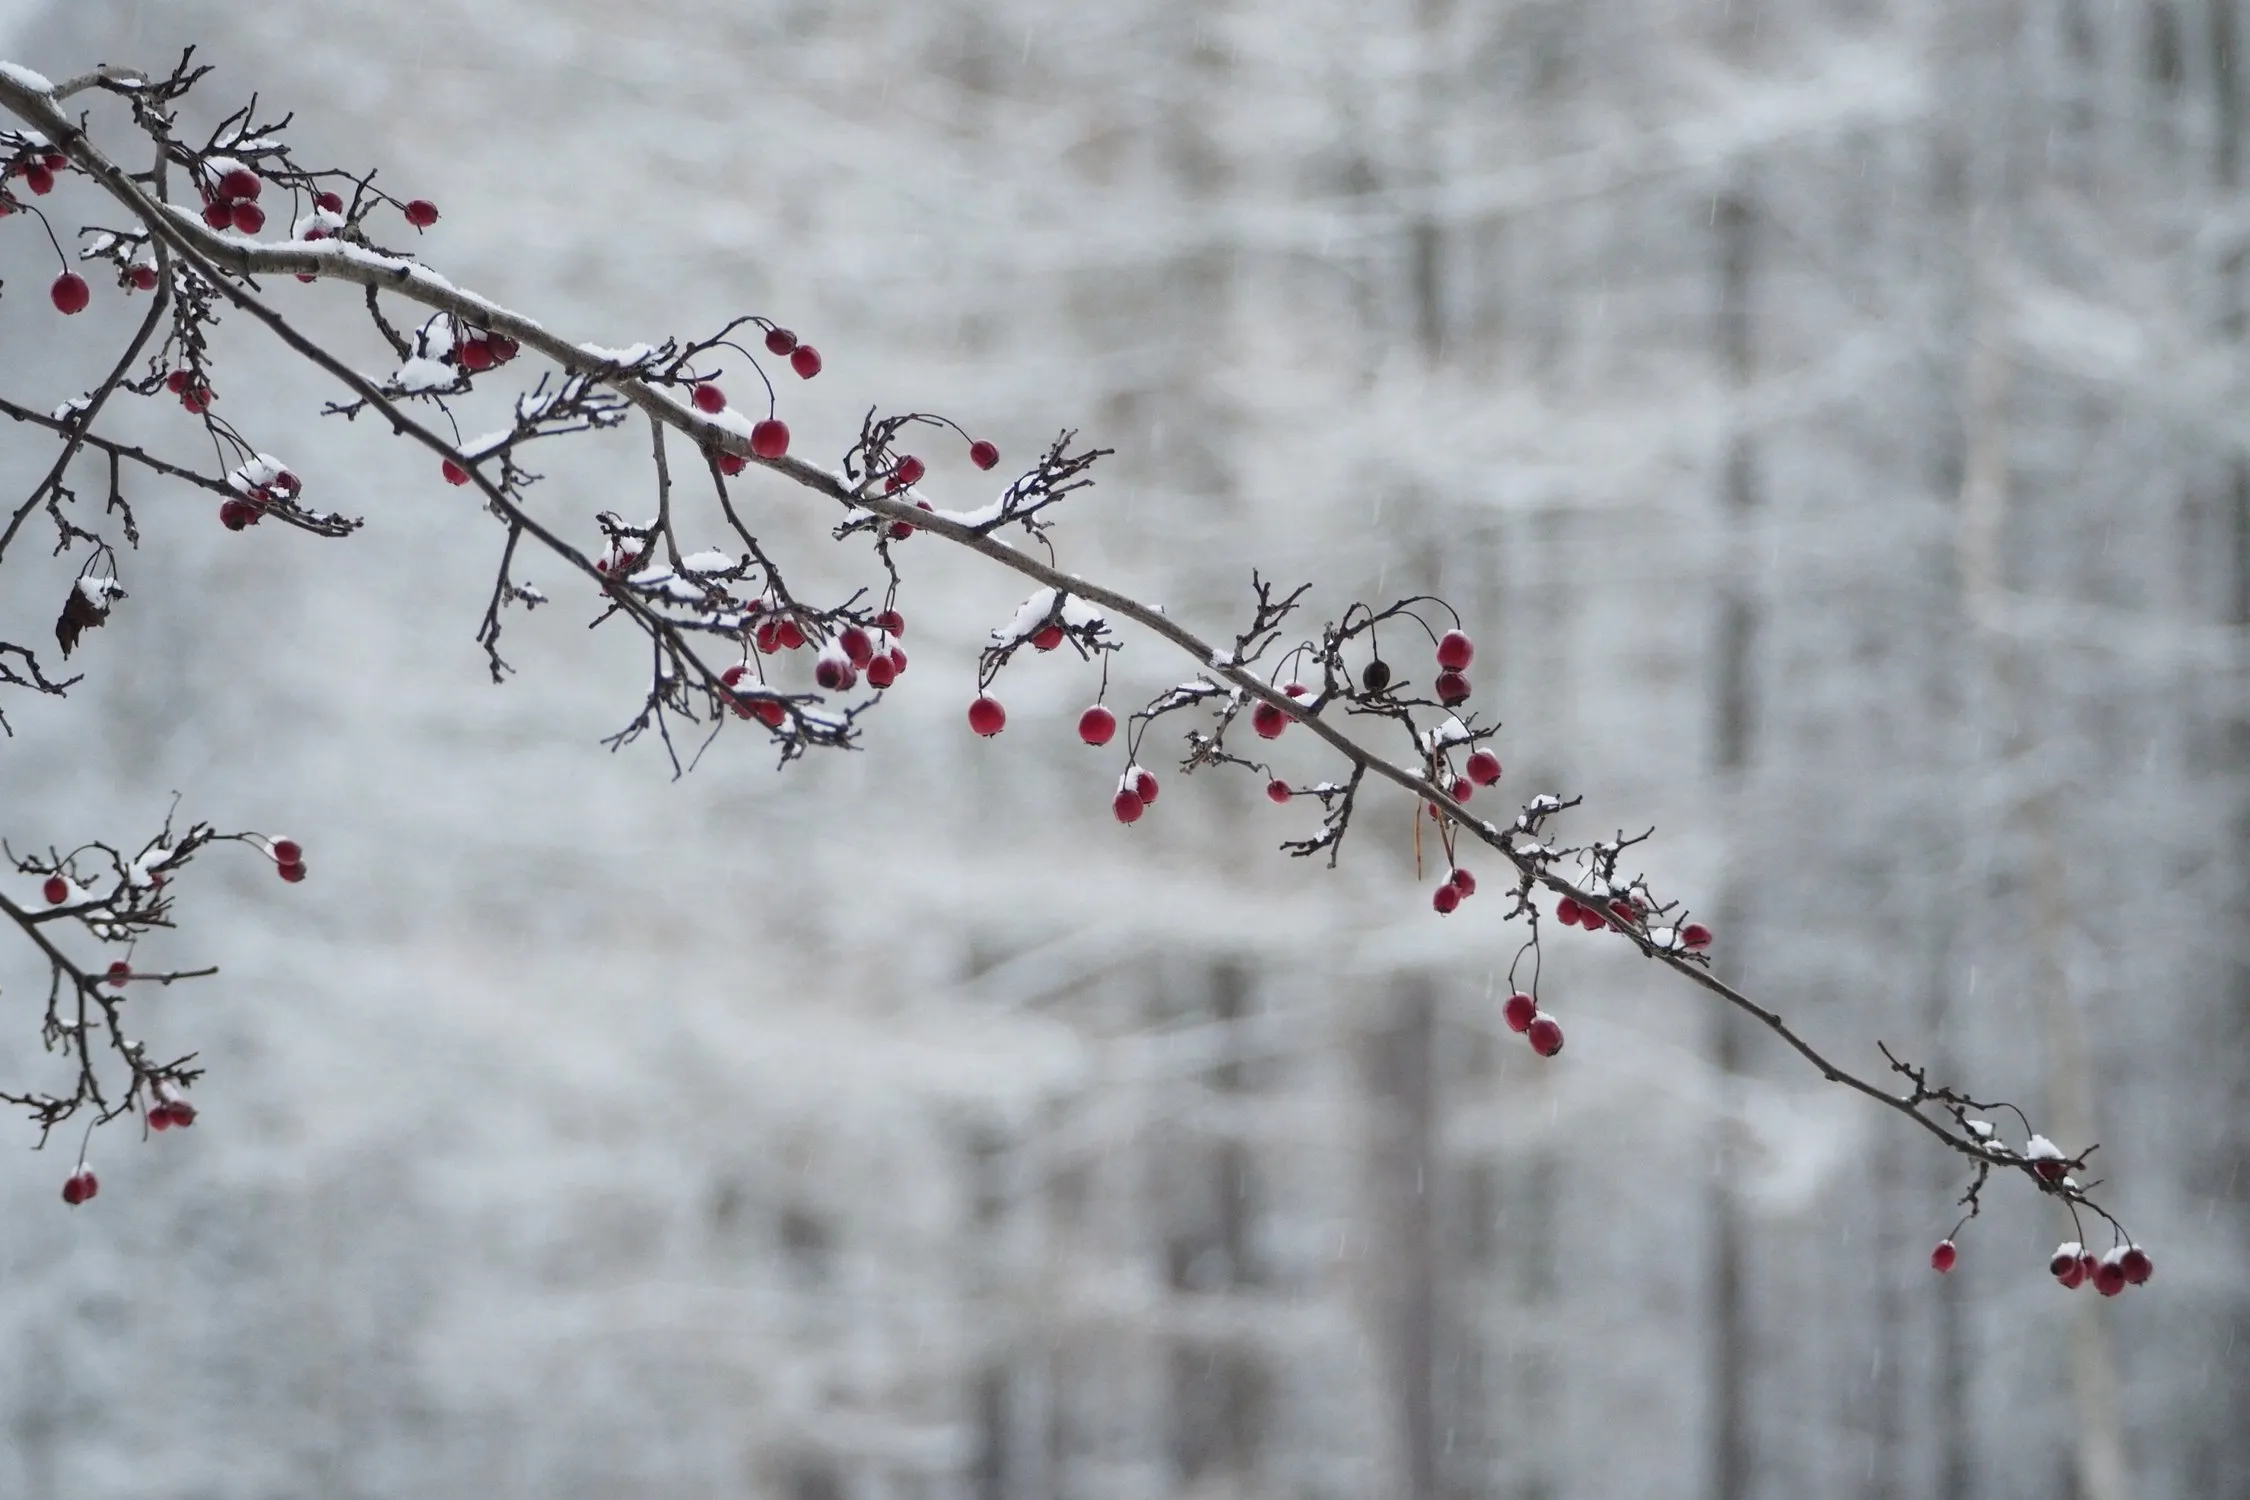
[(1457, 887), (910, 470), (1136, 789), (193, 393), (1268, 719), (246, 509), (232, 201), (39, 172), (1526, 1019), (2074, 1266)]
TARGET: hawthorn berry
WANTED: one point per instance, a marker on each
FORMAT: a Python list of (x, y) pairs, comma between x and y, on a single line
[(119, 972), (2109, 1278), (288, 852), (144, 278), (769, 636), (248, 217), (503, 347), (983, 454), (2136, 1265), (1942, 1258), (1519, 1011), (731, 464), (1047, 638), (791, 634), (891, 623), (1097, 725), (1464, 882), (909, 472), (177, 381), (1278, 791), (1446, 899), (219, 214), (1483, 768), (292, 871), (474, 355), (454, 473), (160, 1116), (196, 399), (55, 161), (80, 1186), (1452, 688), (329, 201), (857, 644), (183, 1113), (987, 717), (1269, 721), (805, 360), (421, 213), (39, 179), (56, 890), (240, 182), (880, 672), (770, 712), (70, 294), (1127, 806), (1375, 676), (898, 661), (1463, 789), (1145, 784), (770, 438), (780, 341), (1545, 1035), (1455, 651), (709, 398), (236, 514), (834, 673), (1566, 912), (735, 673)]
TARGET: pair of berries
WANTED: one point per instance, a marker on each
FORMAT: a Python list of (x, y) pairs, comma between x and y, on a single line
[(193, 393), (1136, 789), (288, 859), (803, 358), (767, 711), (1454, 653), (166, 1113), (1458, 887), (2125, 1265), (80, 1185), (480, 352), (39, 172), (1524, 1017)]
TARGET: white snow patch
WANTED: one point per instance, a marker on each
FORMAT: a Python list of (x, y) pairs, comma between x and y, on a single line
[(25, 78)]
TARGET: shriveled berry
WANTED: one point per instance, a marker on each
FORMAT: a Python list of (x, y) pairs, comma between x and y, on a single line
[(1097, 725), (241, 182), (421, 213), (1047, 638), (805, 360), (249, 218), (1127, 806), (288, 851), (983, 454), (1452, 688), (1464, 882), (1545, 1035), (1519, 1011), (119, 972), (1455, 651), (709, 398), (1375, 676), (770, 439), (987, 717), (70, 294), (453, 472), (1944, 1257), (1483, 767), (1446, 899), (56, 890), (80, 1186), (880, 672), (1269, 721), (780, 341)]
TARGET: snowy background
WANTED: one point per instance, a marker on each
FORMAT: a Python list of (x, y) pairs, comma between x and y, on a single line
[(1828, 415)]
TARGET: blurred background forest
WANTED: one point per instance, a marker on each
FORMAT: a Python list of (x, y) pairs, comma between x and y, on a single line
[(1827, 415)]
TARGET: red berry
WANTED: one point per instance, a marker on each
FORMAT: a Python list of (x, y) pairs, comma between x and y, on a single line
[(474, 355), (1127, 806), (241, 182), (70, 293), (160, 1116), (791, 634), (983, 454), (1452, 688), (1463, 789), (144, 278), (770, 712), (2063, 1262), (1545, 1034), (2136, 1265), (2051, 1170), (857, 644), (2074, 1277), (2086, 1264), (732, 463), (1464, 882), (219, 214), (898, 660), (909, 471), (55, 161), (1048, 638), (710, 398), (56, 890), (1269, 721), (177, 381), (1483, 768), (1943, 1257), (119, 972), (236, 514), (2109, 1278), (769, 439), (39, 179), (292, 872), (1278, 791), (834, 674), (503, 347), (1455, 651), (80, 1186), (249, 218), (1566, 912), (805, 360), (183, 1113), (1695, 936), (891, 623), (780, 341), (454, 473), (769, 636), (1145, 785), (1446, 899), (880, 672), (987, 717), (196, 398), (1519, 1011), (421, 213), (734, 674), (288, 852), (330, 202), (1097, 725)]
